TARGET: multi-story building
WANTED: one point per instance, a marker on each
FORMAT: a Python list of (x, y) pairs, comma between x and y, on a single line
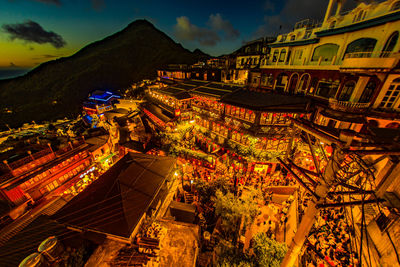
[(199, 71), (47, 171), (337, 82), (99, 102), (348, 63), (247, 58), (174, 72)]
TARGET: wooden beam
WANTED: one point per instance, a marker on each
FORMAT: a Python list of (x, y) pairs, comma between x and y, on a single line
[(314, 183), (308, 171), (360, 192), (316, 163), (374, 152), (317, 133), (350, 186), (298, 178), (350, 203)]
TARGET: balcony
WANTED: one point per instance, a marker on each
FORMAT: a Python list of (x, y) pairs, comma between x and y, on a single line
[(370, 60), (347, 106)]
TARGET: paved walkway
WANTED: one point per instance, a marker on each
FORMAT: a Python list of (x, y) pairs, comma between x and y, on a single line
[(179, 246)]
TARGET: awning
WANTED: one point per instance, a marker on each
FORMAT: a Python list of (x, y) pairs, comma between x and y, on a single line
[(340, 116), (107, 157), (156, 114)]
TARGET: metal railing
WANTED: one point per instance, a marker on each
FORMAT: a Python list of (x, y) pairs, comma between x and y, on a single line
[(307, 23), (379, 54), (346, 105)]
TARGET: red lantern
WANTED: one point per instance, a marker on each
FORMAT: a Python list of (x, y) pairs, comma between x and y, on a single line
[(265, 114), (301, 115), (274, 115)]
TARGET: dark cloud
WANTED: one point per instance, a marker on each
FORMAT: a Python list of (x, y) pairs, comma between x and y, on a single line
[(53, 2), (269, 5), (186, 31), (292, 12), (32, 32), (50, 2), (207, 36), (217, 23), (46, 56), (98, 5)]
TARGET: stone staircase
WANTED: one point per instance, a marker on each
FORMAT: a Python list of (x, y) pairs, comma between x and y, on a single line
[(14, 228), (188, 197), (370, 211), (55, 206), (48, 208)]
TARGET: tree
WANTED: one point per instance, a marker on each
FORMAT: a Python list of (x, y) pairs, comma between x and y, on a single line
[(236, 212), (268, 252), (230, 256), (207, 190), (265, 252)]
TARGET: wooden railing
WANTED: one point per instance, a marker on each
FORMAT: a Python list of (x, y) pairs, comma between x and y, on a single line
[(30, 162), (28, 159)]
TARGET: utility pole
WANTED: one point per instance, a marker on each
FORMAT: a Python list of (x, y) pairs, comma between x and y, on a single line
[(321, 191)]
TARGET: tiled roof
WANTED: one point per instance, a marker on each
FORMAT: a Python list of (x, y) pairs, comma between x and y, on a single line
[(264, 101), (120, 196), (214, 89)]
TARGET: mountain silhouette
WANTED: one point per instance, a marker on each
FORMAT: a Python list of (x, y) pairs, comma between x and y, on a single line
[(57, 88)]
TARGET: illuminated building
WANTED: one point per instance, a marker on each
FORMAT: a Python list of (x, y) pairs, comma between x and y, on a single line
[(119, 201), (347, 64), (173, 72), (48, 172), (199, 71), (99, 102), (244, 60), (338, 81)]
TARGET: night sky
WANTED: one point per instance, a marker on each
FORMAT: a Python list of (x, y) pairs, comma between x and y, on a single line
[(35, 31)]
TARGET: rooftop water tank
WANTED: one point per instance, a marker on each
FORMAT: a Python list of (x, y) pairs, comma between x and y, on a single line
[(34, 260), (51, 248)]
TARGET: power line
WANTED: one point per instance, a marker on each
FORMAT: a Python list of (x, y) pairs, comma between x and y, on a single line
[(67, 234), (84, 216), (106, 199)]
